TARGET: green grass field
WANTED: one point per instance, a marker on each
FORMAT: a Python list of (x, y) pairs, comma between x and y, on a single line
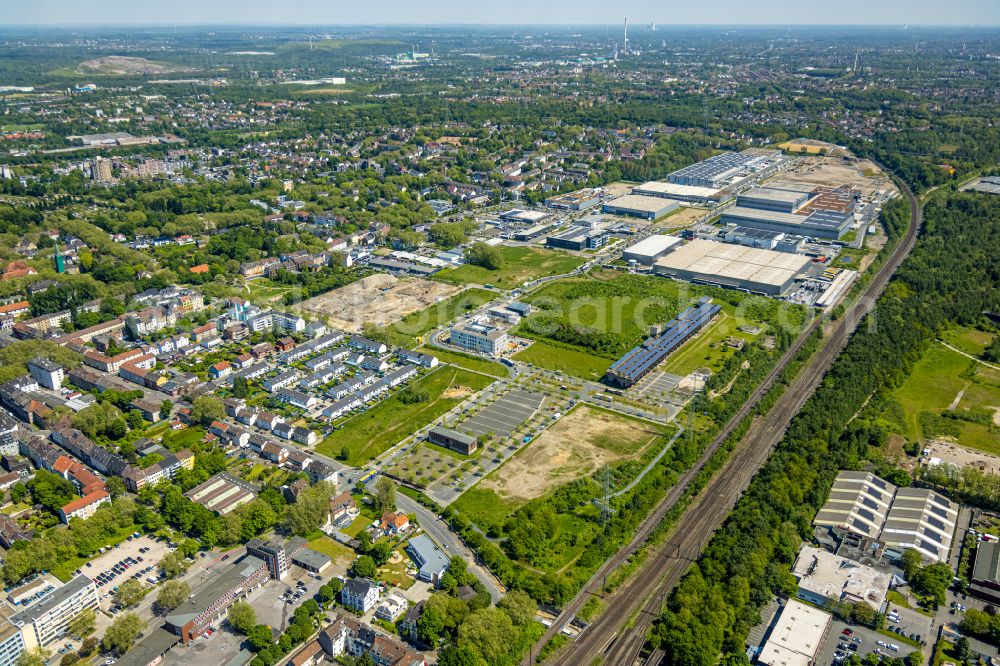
[(944, 382), (337, 552), (262, 289), (564, 359), (707, 349), (969, 340), (521, 264), (408, 331), (588, 320), (468, 361), (367, 435)]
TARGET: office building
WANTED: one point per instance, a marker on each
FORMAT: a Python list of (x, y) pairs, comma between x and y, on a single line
[(47, 619), (482, 338), (276, 553), (452, 439)]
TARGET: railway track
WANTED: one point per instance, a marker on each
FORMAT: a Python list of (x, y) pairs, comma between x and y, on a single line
[(639, 601)]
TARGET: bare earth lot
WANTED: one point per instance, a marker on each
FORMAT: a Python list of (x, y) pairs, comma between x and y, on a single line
[(577, 445), (834, 171), (684, 217), (377, 299), (126, 65)]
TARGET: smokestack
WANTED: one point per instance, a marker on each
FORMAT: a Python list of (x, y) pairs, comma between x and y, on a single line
[(626, 36)]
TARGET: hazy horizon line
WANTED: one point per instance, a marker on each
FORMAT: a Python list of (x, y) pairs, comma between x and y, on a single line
[(638, 26)]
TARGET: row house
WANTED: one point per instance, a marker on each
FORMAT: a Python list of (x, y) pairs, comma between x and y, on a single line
[(324, 376), (149, 320), (328, 358), (136, 478), (296, 398), (110, 364)]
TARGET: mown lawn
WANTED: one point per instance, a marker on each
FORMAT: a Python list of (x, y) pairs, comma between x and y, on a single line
[(468, 361), (564, 359), (520, 264), (365, 436), (337, 552)]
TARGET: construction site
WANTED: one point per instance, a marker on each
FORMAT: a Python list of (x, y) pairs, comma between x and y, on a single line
[(379, 299)]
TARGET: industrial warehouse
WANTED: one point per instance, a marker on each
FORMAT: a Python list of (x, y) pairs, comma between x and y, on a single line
[(646, 208), (730, 170), (821, 212), (747, 268), (899, 518), (648, 250), (637, 363)]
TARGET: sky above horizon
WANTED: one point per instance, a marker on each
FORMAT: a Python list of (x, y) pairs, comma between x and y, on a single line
[(566, 12)]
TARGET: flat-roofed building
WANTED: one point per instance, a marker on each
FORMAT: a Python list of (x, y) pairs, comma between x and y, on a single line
[(738, 267), (637, 205), (796, 637), (579, 200), (731, 170), (648, 250), (47, 619), (479, 337), (814, 223), (11, 638), (826, 578), (209, 604), (765, 198), (47, 373), (688, 193), (452, 439)]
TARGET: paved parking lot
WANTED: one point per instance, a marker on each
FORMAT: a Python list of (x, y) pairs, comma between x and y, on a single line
[(104, 564), (911, 622), (504, 415), (271, 609), (869, 643)]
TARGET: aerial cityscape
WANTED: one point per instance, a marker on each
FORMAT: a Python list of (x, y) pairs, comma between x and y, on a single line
[(597, 335)]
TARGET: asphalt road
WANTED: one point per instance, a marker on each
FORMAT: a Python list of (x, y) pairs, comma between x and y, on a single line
[(441, 534), (643, 595)]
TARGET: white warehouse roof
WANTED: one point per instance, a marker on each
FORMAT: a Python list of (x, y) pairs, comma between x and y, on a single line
[(796, 637), (653, 246)]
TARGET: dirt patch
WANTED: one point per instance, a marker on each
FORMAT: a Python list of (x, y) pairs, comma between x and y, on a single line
[(836, 171), (125, 65), (948, 451), (377, 299), (684, 217), (569, 450), (457, 392)]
